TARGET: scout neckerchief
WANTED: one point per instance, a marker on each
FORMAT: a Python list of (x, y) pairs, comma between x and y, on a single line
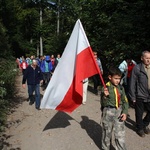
[(117, 96)]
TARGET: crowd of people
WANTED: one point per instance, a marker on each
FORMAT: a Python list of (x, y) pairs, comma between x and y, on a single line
[(37, 71), (129, 84), (128, 81)]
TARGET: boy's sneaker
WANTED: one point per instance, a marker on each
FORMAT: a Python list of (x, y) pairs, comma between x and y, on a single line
[(141, 133), (146, 130)]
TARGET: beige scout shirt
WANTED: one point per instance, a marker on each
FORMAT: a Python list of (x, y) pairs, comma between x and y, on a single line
[(147, 69)]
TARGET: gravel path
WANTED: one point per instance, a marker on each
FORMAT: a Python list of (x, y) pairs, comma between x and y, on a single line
[(30, 129)]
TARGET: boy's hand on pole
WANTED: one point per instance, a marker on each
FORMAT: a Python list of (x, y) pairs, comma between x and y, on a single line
[(123, 117), (106, 92)]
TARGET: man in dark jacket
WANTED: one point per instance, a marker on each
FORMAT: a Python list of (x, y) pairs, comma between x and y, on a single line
[(33, 76), (140, 93)]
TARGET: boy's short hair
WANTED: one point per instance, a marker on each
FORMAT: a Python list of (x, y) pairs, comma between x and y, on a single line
[(114, 71)]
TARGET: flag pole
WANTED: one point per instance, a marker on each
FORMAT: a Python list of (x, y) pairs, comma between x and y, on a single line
[(102, 80), (99, 71)]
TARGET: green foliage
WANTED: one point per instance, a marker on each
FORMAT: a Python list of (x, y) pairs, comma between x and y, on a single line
[(114, 27), (7, 81), (4, 46), (3, 113)]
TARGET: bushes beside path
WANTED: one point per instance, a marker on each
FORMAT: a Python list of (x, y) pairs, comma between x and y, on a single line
[(8, 72)]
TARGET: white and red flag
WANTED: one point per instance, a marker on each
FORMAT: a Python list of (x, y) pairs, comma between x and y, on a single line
[(65, 89)]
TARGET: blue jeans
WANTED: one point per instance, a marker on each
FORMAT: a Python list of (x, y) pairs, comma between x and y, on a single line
[(31, 89)]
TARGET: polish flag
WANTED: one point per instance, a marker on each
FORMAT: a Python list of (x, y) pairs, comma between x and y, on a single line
[(65, 89)]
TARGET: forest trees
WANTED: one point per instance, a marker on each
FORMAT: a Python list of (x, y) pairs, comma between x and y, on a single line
[(114, 27)]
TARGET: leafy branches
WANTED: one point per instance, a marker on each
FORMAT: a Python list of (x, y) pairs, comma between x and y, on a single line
[(112, 26), (7, 83)]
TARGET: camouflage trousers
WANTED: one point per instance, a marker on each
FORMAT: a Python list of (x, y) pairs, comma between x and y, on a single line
[(111, 123)]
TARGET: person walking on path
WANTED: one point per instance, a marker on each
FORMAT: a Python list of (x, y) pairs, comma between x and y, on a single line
[(54, 62), (46, 68), (85, 87), (23, 65), (126, 67), (114, 106), (139, 93), (58, 58), (33, 76)]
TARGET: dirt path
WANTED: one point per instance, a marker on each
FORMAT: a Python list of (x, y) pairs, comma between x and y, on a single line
[(53, 130)]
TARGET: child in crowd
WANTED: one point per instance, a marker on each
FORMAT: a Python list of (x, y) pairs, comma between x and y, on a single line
[(114, 106)]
